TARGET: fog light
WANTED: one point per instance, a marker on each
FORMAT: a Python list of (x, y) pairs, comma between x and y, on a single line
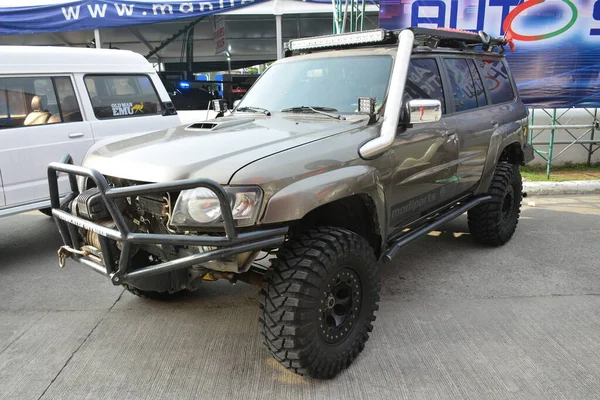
[(366, 105)]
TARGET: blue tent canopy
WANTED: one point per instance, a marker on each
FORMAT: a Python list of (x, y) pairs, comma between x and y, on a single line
[(99, 14)]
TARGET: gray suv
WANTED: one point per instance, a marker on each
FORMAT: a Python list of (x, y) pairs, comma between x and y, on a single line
[(340, 154)]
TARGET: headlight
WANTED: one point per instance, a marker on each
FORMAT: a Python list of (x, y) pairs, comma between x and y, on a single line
[(200, 206)]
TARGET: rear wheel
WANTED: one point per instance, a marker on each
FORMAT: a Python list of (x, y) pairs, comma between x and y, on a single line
[(319, 301), (494, 222)]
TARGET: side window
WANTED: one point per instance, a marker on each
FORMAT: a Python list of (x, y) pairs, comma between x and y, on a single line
[(69, 107), (463, 89), (495, 76), (44, 87), (424, 81), (478, 84), (122, 96), (27, 101)]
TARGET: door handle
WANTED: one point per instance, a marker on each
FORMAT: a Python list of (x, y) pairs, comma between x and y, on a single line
[(75, 135), (449, 132)]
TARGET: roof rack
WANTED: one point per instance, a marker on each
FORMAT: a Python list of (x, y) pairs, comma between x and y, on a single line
[(454, 38), (433, 38)]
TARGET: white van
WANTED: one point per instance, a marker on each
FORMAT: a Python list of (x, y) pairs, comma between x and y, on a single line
[(55, 101)]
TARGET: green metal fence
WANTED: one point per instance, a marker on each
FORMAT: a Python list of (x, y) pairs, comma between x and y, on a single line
[(348, 16), (560, 121)]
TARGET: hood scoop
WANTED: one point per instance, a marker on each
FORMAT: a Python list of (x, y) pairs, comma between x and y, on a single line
[(203, 126), (216, 125)]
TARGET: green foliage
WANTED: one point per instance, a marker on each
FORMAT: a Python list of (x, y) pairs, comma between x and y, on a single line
[(559, 173)]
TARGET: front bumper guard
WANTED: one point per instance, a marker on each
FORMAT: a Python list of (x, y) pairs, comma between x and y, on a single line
[(231, 244)]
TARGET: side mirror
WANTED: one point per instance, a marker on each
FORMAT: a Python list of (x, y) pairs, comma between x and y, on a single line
[(219, 105), (235, 103), (420, 111)]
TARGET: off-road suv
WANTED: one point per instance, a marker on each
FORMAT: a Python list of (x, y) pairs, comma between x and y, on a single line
[(341, 153)]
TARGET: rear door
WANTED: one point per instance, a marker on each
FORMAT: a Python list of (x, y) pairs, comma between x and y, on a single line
[(471, 118), (123, 104), (40, 122), (424, 155), (2, 200)]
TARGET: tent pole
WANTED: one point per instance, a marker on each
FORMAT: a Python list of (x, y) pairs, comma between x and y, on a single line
[(170, 40), (97, 38), (279, 36)]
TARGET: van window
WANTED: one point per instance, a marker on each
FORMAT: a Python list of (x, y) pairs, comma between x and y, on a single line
[(122, 96), (423, 81), (497, 81), (463, 89), (28, 101), (69, 107)]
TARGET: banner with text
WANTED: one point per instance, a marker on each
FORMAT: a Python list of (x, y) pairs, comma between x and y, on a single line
[(556, 61), (97, 14), (220, 38)]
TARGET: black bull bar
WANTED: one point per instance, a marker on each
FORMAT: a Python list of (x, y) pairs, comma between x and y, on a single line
[(231, 244)]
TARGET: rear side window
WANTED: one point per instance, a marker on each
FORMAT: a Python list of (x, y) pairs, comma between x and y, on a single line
[(463, 89), (478, 84), (497, 81), (424, 81), (29, 101), (122, 96)]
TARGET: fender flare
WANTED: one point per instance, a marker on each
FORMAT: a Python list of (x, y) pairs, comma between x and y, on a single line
[(503, 136), (296, 200)]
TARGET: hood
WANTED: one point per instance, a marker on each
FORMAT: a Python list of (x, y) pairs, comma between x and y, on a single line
[(213, 149)]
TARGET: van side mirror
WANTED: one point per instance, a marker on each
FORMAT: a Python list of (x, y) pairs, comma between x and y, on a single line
[(420, 111)]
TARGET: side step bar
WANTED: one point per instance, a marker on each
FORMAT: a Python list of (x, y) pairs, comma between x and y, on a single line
[(424, 230)]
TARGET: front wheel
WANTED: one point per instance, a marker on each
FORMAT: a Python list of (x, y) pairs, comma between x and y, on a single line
[(494, 222), (319, 301), (153, 295)]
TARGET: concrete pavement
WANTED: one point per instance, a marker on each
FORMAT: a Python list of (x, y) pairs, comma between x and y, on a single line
[(562, 188), (457, 321)]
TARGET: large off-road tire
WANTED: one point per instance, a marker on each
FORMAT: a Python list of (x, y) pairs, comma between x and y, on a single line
[(151, 295), (494, 222), (319, 300)]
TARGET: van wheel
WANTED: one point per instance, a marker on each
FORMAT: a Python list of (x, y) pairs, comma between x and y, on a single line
[(494, 222), (46, 211), (319, 300)]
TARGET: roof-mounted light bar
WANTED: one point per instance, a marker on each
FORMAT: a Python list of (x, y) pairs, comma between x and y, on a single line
[(344, 39)]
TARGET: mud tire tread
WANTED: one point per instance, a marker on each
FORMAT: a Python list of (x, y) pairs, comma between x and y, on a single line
[(291, 295), (485, 220)]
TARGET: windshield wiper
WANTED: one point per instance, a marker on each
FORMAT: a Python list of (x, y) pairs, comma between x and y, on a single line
[(314, 109), (254, 109)]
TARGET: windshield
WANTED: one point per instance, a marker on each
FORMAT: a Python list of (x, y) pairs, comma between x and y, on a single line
[(333, 82)]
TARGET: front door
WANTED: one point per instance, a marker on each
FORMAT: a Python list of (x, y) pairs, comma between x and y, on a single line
[(424, 155), (40, 122)]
